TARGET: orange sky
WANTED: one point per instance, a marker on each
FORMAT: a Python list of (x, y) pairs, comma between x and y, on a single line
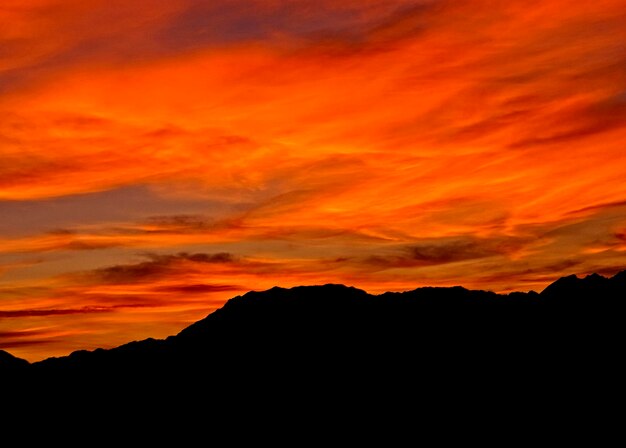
[(159, 157)]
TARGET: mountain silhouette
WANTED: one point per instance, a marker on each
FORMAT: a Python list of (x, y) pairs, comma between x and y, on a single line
[(9, 363), (338, 346)]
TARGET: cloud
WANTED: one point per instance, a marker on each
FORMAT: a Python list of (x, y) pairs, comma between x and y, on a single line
[(539, 275), (60, 240), (449, 250), (21, 334), (384, 144), (10, 344), (126, 32), (159, 266), (62, 312), (457, 250), (198, 288), (582, 121), (180, 224), (111, 206), (32, 313), (288, 23)]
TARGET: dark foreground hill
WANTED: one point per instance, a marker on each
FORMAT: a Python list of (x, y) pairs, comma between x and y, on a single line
[(340, 348)]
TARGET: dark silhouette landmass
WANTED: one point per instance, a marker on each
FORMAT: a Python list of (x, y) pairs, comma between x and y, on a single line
[(10, 363), (337, 344)]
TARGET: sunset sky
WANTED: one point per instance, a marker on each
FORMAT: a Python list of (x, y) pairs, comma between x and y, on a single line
[(160, 157)]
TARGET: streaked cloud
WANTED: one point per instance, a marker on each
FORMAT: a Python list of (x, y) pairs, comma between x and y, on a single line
[(158, 266), (55, 312), (382, 144)]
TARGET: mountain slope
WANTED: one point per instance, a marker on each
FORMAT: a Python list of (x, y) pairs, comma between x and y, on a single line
[(289, 321), (305, 341), (8, 362)]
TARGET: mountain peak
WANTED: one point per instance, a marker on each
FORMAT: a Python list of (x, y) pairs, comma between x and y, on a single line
[(595, 277), (587, 291), (620, 277)]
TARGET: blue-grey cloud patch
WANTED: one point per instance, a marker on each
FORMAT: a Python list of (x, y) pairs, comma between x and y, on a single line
[(128, 32), (238, 21), (121, 204)]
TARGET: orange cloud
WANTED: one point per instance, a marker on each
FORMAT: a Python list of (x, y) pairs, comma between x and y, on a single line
[(382, 144)]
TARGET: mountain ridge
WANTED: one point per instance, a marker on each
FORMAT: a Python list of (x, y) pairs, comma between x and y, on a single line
[(332, 354), (577, 289)]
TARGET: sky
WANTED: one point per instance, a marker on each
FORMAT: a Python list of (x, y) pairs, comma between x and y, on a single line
[(160, 157)]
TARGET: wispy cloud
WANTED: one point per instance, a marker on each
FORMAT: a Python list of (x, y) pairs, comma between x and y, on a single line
[(62, 312), (449, 250), (385, 144), (159, 266), (199, 288)]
